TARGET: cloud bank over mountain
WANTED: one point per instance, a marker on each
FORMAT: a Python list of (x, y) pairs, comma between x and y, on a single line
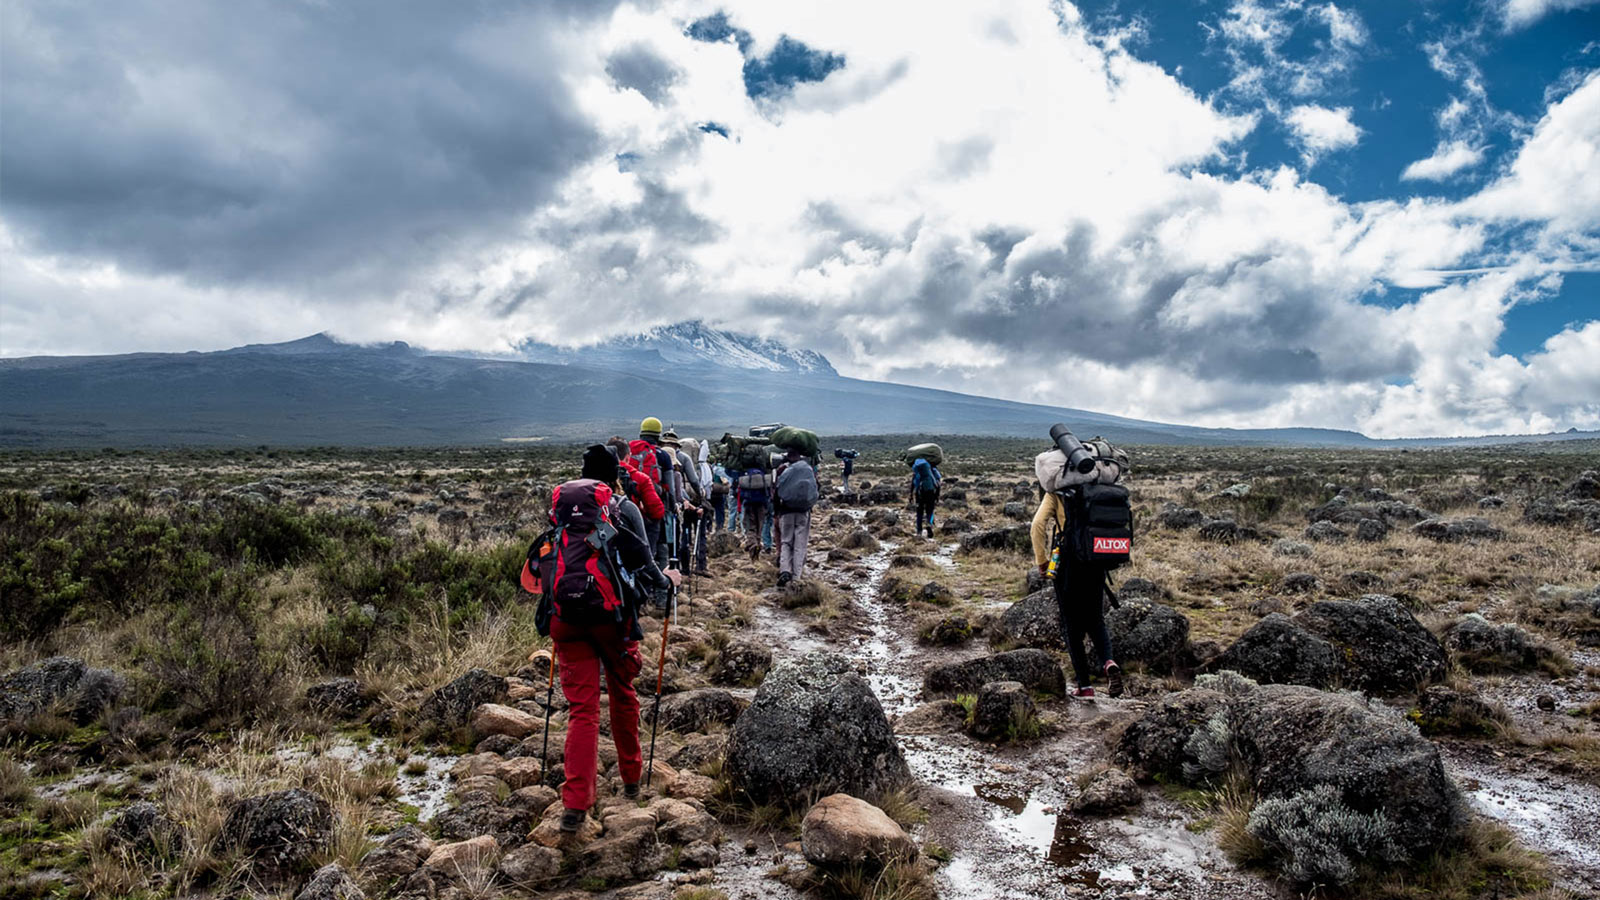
[(1038, 201)]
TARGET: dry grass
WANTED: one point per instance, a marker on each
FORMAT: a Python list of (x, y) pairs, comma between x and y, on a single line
[(1490, 862), (16, 792)]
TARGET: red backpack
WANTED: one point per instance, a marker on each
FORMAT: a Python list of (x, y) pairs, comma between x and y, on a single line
[(643, 455), (570, 567)]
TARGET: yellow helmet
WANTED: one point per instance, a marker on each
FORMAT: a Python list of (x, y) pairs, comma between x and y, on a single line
[(650, 425)]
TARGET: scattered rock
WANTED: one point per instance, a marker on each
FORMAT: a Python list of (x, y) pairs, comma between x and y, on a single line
[(1381, 647), (815, 727), (461, 858), (697, 710), (861, 540), (400, 854), (882, 516), (451, 705), (1371, 530), (1545, 702), (340, 698), (331, 882), (841, 830), (1326, 533), (1481, 646), (1179, 517), (1286, 547), (531, 866), (63, 680), (1491, 502), (1035, 669), (1108, 791), (949, 630), (493, 718), (1003, 711), (279, 831), (934, 717), (952, 525), (1462, 529), (1014, 509), (741, 663), (1277, 651), (143, 828), (1151, 633), (1015, 539), (1033, 621)]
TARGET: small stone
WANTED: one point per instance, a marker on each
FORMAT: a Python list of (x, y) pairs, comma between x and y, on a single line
[(1546, 702), (1108, 791), (841, 830), (331, 882), (531, 865), (462, 857), (493, 718)]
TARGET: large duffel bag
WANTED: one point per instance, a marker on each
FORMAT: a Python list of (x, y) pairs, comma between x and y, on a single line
[(933, 453), (799, 439)]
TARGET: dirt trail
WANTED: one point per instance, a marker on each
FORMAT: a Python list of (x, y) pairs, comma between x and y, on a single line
[(999, 810)]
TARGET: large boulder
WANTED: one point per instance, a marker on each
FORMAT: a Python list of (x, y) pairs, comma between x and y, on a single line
[(815, 727), (1146, 632), (1035, 669), (331, 882), (1381, 646), (841, 830), (1276, 650), (1296, 744), (280, 832), (1482, 646), (450, 706)]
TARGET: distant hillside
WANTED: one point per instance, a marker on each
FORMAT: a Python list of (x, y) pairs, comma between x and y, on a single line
[(319, 391)]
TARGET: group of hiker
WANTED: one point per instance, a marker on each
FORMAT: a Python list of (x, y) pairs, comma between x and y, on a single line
[(641, 510)]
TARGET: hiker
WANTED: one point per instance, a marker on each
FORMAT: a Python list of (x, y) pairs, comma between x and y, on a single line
[(637, 485), (719, 497), (849, 467), (755, 496), (796, 493), (925, 479), (647, 456), (592, 638), (1100, 540), (686, 467)]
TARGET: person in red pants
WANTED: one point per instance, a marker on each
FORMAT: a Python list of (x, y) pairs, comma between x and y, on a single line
[(585, 650)]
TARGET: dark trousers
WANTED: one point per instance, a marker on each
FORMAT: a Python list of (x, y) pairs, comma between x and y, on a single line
[(926, 501), (720, 505), (1080, 600)]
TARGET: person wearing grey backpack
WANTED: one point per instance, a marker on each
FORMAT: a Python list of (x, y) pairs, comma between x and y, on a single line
[(797, 494)]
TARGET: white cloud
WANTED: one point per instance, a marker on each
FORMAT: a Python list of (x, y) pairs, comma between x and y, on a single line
[(1553, 176), (1522, 13), (1447, 160), (1319, 130)]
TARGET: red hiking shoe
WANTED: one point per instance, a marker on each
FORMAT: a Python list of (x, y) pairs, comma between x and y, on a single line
[(1085, 692)]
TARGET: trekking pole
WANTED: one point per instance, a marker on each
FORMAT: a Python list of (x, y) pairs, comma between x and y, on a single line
[(661, 671), (549, 701)]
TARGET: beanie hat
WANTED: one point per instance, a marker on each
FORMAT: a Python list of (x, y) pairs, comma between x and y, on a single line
[(650, 426), (600, 464)]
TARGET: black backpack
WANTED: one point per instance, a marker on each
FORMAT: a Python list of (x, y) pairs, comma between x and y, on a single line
[(1099, 525)]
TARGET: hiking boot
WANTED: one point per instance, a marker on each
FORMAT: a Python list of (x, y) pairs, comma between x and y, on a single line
[(784, 578), (1085, 692), (702, 573), (631, 791), (1113, 673), (572, 820)]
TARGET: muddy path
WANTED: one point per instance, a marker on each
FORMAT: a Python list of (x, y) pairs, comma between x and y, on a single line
[(1001, 810)]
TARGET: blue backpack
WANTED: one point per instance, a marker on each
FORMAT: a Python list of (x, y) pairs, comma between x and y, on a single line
[(755, 487), (924, 477)]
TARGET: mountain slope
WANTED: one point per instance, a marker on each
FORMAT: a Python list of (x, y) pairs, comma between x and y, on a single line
[(692, 344)]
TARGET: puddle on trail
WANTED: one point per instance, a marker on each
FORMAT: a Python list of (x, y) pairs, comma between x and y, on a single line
[(1555, 816), (428, 790), (896, 691)]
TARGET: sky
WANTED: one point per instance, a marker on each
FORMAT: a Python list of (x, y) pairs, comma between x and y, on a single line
[(1376, 216)]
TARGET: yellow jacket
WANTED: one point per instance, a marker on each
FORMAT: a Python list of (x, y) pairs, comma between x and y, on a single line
[(1051, 513)]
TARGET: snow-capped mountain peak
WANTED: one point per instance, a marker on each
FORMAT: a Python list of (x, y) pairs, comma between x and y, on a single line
[(688, 344)]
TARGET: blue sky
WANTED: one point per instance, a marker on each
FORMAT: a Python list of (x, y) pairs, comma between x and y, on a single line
[(1375, 216)]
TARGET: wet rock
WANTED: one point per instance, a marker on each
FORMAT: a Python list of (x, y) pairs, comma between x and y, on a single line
[(934, 717), (450, 706), (1286, 547), (1381, 647), (841, 830), (882, 516), (1179, 518), (1545, 702), (1151, 633), (683, 821), (814, 727), (952, 525), (1371, 530), (1108, 791), (840, 519), (1004, 710), (1015, 539), (1444, 710), (741, 663), (697, 710), (400, 854), (1289, 739), (331, 882), (461, 859), (1462, 529), (948, 631), (699, 855), (340, 698), (143, 828), (1277, 651), (493, 718), (1035, 669), (1482, 646), (480, 813), (531, 866), (1326, 533), (279, 831)]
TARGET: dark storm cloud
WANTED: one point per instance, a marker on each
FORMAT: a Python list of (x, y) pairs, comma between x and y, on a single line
[(639, 68), (276, 143)]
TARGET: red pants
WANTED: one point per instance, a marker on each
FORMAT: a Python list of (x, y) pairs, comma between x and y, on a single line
[(583, 651)]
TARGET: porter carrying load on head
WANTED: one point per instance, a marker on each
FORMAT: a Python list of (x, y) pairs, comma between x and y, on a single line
[(1087, 507)]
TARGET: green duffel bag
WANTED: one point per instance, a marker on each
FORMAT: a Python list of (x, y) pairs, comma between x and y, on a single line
[(933, 453), (792, 438)]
